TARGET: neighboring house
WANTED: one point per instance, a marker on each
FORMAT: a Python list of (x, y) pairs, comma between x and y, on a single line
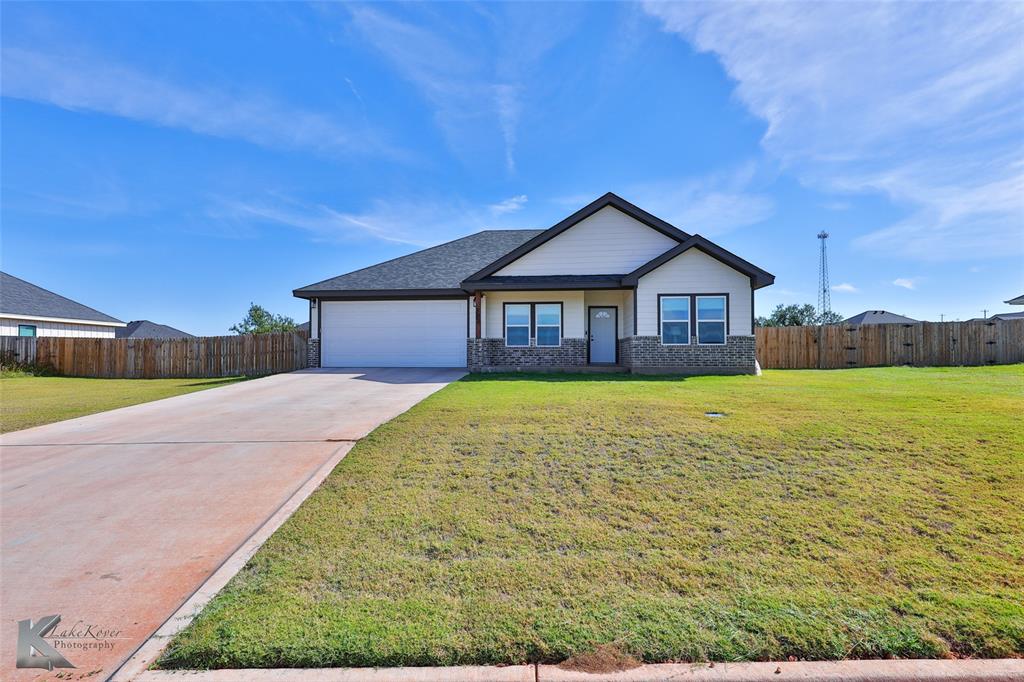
[(28, 310), (879, 317), (302, 327), (1016, 301), (609, 285), (998, 316), (144, 329)]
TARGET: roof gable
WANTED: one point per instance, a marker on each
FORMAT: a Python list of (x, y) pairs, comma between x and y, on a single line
[(18, 297), (758, 277), (608, 200)]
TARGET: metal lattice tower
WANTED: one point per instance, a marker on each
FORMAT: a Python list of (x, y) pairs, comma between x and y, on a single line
[(824, 297)]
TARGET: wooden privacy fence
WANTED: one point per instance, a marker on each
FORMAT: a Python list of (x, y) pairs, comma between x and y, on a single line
[(210, 356), (992, 342)]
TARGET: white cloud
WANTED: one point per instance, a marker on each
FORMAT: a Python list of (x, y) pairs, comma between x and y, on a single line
[(84, 82), (402, 221), (510, 205), (846, 288), (477, 97), (905, 282), (921, 101), (708, 205)]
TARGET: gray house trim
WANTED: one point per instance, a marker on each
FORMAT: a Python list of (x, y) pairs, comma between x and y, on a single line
[(758, 277), (590, 209)]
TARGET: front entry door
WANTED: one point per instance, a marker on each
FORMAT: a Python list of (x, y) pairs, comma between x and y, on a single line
[(603, 334)]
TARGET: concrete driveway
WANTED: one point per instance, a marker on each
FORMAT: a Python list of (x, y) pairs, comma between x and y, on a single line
[(111, 521)]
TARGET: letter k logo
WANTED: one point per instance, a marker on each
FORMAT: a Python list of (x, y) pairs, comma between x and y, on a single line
[(30, 639)]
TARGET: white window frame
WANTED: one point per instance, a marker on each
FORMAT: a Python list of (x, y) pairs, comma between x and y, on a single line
[(662, 320), (724, 320), (537, 326), (528, 325)]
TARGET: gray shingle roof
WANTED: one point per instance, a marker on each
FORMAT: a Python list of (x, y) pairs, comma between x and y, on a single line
[(144, 329), (879, 317), (18, 297), (440, 267)]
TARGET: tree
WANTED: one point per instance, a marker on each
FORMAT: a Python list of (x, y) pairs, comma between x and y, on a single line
[(261, 321), (795, 315)]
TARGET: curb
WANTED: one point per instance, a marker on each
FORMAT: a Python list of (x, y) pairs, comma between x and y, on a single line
[(153, 646), (969, 670)]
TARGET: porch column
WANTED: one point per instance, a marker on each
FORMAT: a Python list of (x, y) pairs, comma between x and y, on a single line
[(477, 303)]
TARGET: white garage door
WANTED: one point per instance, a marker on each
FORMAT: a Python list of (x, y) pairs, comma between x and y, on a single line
[(393, 333)]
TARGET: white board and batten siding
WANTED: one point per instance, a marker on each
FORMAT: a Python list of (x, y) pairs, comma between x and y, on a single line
[(402, 333), (694, 272), (9, 327), (606, 243)]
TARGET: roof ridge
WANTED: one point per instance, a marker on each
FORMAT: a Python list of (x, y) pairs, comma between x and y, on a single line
[(414, 253)]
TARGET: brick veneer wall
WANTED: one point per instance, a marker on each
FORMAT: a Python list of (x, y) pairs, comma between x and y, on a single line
[(313, 353), (490, 355), (647, 354)]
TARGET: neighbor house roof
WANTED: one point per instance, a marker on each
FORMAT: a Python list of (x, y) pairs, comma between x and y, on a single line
[(144, 329), (998, 316), (1016, 301), (879, 317), (24, 299), (438, 270)]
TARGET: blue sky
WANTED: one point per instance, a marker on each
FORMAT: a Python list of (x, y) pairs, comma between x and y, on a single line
[(176, 161)]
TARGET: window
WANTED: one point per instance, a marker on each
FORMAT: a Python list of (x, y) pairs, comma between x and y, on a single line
[(675, 319), (549, 324), (711, 319), (26, 330), (517, 324)]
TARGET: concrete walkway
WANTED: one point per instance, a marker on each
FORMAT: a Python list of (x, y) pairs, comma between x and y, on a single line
[(113, 520), (1004, 670)]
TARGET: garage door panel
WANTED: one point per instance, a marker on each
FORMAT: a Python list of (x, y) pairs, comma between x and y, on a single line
[(428, 333)]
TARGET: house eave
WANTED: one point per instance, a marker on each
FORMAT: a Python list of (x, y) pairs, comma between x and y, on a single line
[(64, 320), (377, 294)]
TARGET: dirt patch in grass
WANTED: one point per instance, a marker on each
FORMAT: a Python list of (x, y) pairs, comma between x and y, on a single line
[(606, 658)]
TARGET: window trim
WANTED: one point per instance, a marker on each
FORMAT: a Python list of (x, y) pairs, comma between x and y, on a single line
[(33, 327), (528, 325), (689, 319), (533, 314), (693, 338), (533, 322), (724, 320)]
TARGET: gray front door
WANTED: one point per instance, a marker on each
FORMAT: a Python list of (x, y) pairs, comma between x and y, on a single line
[(603, 336)]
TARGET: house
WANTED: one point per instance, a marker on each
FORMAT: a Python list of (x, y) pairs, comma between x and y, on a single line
[(610, 285), (28, 310), (144, 329), (879, 317), (998, 316), (1016, 301)]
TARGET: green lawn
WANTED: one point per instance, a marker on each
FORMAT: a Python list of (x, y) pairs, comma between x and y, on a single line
[(832, 514), (27, 400)]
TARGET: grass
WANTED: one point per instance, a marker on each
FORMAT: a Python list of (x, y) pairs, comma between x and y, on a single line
[(27, 400), (831, 514)]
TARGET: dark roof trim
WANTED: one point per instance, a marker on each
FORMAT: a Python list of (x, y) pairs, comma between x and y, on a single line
[(758, 277), (377, 294), (541, 282), (590, 209)]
